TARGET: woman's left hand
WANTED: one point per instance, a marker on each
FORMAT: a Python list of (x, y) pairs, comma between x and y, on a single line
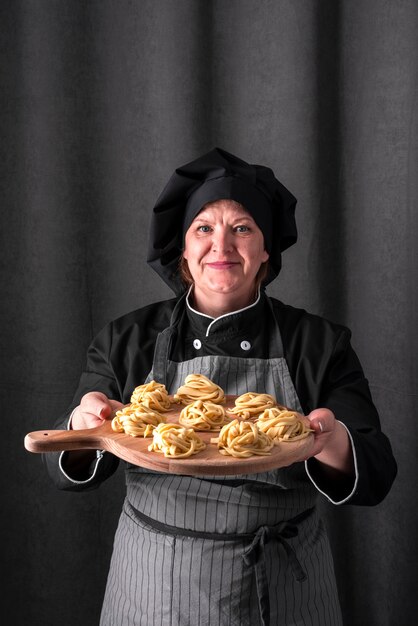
[(332, 445)]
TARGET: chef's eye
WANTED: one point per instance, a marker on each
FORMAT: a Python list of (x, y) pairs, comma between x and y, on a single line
[(242, 228)]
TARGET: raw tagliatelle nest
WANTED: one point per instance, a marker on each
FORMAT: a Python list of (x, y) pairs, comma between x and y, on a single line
[(176, 441), (199, 387), (136, 420), (153, 395), (243, 439), (249, 405), (283, 425), (203, 415)]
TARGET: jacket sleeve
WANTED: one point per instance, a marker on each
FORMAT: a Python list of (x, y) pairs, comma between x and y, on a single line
[(345, 391), (98, 375)]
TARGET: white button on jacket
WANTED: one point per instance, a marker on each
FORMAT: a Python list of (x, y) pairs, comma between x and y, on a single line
[(245, 345)]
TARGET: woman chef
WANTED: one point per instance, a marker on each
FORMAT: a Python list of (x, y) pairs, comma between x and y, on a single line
[(248, 549)]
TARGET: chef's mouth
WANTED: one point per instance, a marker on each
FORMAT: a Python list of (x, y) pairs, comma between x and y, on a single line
[(222, 265)]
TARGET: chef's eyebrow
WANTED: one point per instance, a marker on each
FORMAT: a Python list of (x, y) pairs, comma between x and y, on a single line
[(242, 218)]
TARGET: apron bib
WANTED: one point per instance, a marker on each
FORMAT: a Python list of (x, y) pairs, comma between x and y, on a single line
[(236, 551)]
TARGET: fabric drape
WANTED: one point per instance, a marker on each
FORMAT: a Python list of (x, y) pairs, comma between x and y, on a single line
[(100, 101)]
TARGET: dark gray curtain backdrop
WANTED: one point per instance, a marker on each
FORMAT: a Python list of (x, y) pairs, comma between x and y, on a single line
[(100, 101)]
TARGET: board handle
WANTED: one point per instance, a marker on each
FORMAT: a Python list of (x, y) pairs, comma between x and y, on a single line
[(40, 441)]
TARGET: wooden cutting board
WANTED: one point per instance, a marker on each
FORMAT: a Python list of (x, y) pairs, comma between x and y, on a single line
[(134, 450)]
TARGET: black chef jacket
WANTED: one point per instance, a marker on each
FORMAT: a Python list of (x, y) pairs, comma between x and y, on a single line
[(322, 363)]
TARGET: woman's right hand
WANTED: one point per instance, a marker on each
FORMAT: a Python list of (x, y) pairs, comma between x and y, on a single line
[(94, 408)]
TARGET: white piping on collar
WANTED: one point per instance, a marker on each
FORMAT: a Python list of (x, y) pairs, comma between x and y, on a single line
[(215, 319)]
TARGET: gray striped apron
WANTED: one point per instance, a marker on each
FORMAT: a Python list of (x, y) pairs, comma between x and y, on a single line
[(221, 551)]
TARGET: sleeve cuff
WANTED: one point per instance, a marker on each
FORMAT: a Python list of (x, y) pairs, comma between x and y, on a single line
[(93, 467), (330, 490)]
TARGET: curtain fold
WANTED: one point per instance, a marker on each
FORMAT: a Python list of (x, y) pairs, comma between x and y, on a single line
[(100, 101)]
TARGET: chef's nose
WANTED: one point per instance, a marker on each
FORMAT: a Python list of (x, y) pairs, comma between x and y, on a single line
[(222, 240)]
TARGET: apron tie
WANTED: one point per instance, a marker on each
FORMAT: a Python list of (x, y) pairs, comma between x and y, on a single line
[(254, 555), (281, 532)]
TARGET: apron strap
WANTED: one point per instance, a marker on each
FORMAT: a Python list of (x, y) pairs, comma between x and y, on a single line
[(164, 342), (277, 336), (161, 351)]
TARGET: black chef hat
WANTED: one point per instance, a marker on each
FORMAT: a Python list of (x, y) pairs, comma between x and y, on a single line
[(214, 176)]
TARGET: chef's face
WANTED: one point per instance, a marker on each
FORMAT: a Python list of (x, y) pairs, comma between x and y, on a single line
[(224, 249)]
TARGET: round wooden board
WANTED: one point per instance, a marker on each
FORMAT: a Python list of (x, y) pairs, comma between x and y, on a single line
[(135, 450)]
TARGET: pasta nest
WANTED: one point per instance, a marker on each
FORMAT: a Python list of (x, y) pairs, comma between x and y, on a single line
[(203, 415), (243, 439), (283, 425), (153, 395), (176, 441), (251, 404), (136, 420), (199, 387)]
